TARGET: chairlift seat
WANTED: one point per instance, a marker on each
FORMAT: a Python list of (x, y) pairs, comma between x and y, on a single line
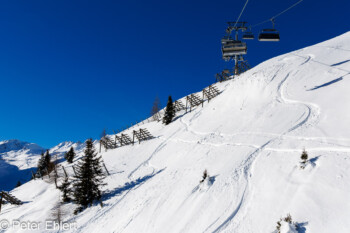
[(234, 47), (269, 35), (226, 40), (248, 36)]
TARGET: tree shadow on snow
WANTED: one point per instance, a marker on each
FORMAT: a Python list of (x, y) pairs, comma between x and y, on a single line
[(179, 116), (301, 227), (313, 160), (212, 179), (340, 63), (326, 84), (211, 182), (128, 186)]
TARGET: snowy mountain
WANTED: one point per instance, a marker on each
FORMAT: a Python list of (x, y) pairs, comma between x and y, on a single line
[(249, 138), (19, 159)]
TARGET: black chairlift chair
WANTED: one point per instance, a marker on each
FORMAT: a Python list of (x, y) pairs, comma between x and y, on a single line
[(248, 36), (269, 35)]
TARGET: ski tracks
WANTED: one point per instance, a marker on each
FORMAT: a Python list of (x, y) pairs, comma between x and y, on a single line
[(309, 117), (158, 148)]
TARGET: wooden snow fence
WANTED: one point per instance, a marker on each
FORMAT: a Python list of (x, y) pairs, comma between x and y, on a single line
[(193, 100), (223, 76), (141, 135), (210, 92), (5, 196), (179, 106)]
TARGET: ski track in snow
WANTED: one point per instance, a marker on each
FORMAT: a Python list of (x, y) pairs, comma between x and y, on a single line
[(310, 117), (308, 58), (146, 162)]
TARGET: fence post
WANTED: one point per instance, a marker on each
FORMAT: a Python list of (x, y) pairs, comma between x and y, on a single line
[(105, 168), (65, 173), (33, 176)]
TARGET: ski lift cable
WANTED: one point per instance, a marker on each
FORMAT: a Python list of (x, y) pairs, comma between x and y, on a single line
[(241, 13), (272, 18)]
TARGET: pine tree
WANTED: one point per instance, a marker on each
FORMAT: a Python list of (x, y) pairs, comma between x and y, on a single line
[(66, 190), (44, 164), (40, 169), (48, 165), (205, 175), (18, 184), (89, 179), (169, 112), (69, 156), (304, 156), (155, 109)]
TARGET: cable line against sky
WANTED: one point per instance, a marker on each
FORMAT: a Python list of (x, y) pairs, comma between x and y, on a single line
[(282, 12), (241, 12)]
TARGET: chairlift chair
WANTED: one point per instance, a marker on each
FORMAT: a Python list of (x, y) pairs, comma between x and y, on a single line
[(248, 36), (232, 47), (269, 35)]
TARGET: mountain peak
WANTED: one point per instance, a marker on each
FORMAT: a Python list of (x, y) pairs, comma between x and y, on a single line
[(16, 145)]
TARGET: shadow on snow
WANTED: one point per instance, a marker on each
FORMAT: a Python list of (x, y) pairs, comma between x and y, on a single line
[(326, 84), (129, 185)]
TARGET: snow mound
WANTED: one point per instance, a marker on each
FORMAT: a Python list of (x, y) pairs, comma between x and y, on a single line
[(288, 228)]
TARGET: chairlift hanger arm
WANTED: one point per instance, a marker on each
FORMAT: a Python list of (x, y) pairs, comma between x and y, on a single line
[(235, 26)]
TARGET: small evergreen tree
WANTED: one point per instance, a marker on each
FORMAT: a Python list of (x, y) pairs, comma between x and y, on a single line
[(169, 112), (89, 179), (304, 156), (66, 190), (44, 164), (155, 109), (69, 156), (40, 167), (49, 166), (18, 184), (205, 175)]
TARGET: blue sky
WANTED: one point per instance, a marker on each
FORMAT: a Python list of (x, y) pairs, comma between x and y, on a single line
[(70, 68)]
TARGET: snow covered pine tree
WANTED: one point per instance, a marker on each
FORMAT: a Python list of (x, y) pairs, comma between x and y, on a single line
[(69, 156), (89, 179), (169, 112)]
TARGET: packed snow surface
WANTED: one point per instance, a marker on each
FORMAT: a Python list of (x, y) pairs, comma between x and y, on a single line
[(250, 139)]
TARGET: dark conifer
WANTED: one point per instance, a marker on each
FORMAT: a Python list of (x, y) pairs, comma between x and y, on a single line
[(155, 109), (40, 169), (304, 156), (89, 179), (18, 184), (69, 156), (205, 175), (66, 190), (44, 164), (169, 112), (48, 165)]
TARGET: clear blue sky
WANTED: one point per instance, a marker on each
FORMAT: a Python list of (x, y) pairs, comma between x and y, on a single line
[(70, 68)]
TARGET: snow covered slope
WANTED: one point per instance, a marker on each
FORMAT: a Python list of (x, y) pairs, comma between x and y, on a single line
[(18, 159), (250, 139)]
